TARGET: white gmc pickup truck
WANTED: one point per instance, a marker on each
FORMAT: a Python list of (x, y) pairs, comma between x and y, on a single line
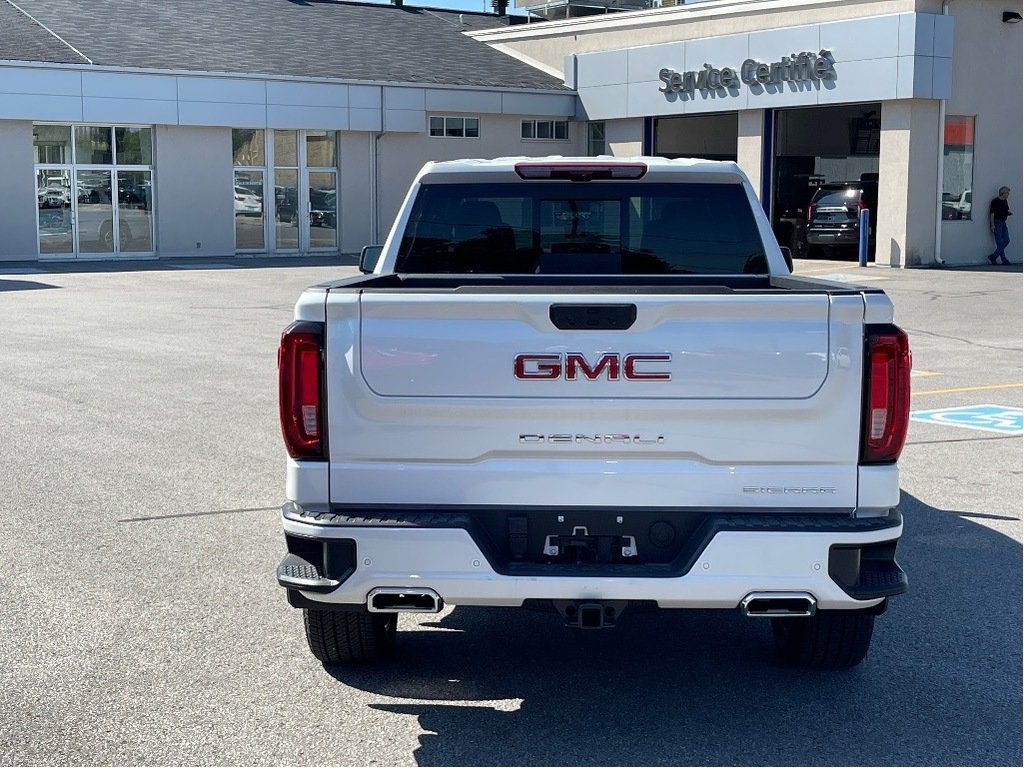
[(590, 384)]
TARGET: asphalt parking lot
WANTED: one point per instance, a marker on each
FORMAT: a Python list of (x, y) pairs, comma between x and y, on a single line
[(142, 471)]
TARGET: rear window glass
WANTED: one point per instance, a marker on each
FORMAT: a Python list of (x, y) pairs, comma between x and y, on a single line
[(844, 196), (582, 228)]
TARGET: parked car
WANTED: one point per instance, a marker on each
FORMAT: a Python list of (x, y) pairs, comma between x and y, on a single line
[(833, 223), (956, 206), (286, 203), (323, 208), (246, 203), (53, 196)]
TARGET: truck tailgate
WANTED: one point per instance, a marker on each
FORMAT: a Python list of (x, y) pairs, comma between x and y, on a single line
[(705, 399)]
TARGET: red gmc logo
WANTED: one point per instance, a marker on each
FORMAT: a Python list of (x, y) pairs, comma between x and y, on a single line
[(574, 365)]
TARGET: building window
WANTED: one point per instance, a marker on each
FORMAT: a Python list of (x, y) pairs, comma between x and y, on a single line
[(285, 190), (596, 139), (545, 130), (455, 127), (957, 168), (94, 189), (249, 155)]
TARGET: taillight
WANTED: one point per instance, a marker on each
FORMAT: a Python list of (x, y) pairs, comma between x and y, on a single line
[(810, 211), (886, 394), (300, 389)]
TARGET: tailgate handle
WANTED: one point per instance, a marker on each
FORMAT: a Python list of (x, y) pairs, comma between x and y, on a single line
[(593, 317)]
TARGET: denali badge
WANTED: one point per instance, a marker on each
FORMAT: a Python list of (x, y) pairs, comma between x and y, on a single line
[(574, 365), (778, 489), (622, 438)]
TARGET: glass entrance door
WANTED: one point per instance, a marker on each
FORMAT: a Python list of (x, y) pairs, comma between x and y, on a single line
[(95, 212), (56, 217), (323, 210)]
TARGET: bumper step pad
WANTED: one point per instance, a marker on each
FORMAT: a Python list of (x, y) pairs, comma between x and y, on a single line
[(879, 578), (295, 573)]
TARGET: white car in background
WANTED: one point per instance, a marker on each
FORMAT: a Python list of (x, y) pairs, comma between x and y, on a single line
[(247, 203)]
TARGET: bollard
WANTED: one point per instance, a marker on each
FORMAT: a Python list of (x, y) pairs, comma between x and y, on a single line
[(862, 230)]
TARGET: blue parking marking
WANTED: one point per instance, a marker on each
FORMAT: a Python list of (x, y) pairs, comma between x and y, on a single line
[(1004, 419)]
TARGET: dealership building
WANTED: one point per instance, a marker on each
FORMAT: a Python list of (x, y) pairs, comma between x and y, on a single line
[(146, 129)]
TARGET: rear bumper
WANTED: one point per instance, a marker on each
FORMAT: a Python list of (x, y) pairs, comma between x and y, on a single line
[(832, 237), (844, 562)]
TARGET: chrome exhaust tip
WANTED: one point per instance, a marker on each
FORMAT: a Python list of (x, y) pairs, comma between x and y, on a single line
[(403, 600), (776, 604)]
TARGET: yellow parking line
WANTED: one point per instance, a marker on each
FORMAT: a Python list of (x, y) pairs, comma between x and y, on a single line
[(967, 389)]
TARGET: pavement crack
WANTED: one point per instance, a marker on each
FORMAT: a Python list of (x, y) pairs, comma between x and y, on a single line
[(198, 514), (965, 341)]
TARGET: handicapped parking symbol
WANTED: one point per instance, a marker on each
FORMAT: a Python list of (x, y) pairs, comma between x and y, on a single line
[(1006, 420)]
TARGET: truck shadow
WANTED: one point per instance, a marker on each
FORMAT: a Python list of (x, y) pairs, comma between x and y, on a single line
[(941, 686)]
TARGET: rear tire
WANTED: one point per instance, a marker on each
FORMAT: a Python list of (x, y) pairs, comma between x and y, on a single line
[(827, 640), (350, 637)]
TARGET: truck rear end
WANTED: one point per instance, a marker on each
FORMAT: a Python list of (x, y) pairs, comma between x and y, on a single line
[(588, 387)]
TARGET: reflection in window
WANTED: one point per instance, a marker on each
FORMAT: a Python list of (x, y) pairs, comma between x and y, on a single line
[(455, 127), (286, 208), (249, 220), (247, 146), (557, 130), (596, 139), (134, 146), (321, 149), (568, 228), (958, 168), (93, 145), (51, 144), (286, 153), (135, 210)]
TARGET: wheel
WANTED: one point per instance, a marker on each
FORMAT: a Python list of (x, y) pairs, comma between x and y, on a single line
[(350, 637), (107, 235), (827, 640), (124, 235)]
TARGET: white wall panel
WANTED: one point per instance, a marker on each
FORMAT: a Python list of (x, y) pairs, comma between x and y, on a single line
[(539, 104), (473, 102), (644, 63), (604, 101), (721, 100), (770, 45), (127, 110), (364, 96), (944, 36), (19, 106), (642, 98), (917, 34), (222, 90), (364, 119), (321, 118), (603, 68), (868, 80), (404, 98), (729, 51), (47, 82), (122, 85), (307, 94), (876, 58), (234, 115), (858, 39)]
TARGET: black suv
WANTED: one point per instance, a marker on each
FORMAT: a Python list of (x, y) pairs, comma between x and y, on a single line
[(833, 215)]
